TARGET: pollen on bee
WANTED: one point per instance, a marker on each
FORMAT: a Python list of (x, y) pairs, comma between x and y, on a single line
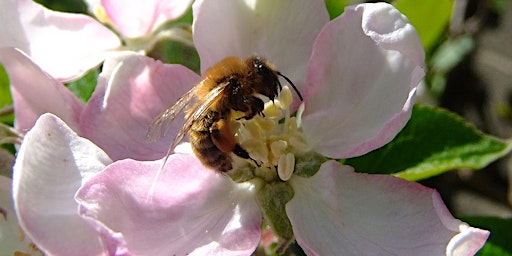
[(273, 139)]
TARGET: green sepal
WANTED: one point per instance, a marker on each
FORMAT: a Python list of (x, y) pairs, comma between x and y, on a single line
[(272, 199), (242, 174), (306, 165)]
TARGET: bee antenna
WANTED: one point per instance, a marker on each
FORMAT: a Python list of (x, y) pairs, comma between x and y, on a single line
[(290, 82)]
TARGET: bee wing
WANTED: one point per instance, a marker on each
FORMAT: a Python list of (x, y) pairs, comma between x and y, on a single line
[(162, 122), (198, 111)]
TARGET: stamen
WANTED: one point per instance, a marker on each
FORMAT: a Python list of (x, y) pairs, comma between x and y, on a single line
[(273, 139), (286, 166)]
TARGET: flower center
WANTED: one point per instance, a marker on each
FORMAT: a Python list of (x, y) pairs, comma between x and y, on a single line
[(273, 139), (278, 150)]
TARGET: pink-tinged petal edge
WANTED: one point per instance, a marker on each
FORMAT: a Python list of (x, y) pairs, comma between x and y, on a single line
[(468, 240), (189, 210), (51, 165), (340, 212), (60, 43), (135, 18), (361, 80), (34, 92), (275, 30), (133, 90)]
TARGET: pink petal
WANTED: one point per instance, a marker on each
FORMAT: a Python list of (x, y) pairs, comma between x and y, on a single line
[(132, 91), (34, 92), (11, 241), (65, 45), (188, 211), (340, 212), (361, 80), (281, 31), (140, 18), (50, 167)]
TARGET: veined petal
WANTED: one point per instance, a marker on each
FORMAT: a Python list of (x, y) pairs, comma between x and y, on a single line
[(340, 212), (58, 42), (132, 90), (51, 165), (281, 31), (183, 210), (359, 98), (135, 18), (34, 92)]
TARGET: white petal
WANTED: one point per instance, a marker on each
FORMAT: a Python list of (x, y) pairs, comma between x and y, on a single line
[(133, 90), (11, 238), (51, 165), (361, 80), (340, 212), (65, 45), (187, 210), (468, 241), (34, 92), (281, 31), (136, 18)]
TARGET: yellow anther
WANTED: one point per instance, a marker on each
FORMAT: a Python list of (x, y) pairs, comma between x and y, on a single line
[(272, 110), (285, 98), (256, 149), (277, 148), (273, 139)]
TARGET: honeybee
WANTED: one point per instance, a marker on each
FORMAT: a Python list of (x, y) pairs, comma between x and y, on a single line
[(231, 84)]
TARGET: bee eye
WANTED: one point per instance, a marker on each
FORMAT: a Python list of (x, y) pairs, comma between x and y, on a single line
[(257, 64)]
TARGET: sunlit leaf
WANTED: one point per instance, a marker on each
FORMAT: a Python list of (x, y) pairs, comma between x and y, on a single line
[(434, 141), (84, 87), (451, 53), (5, 97), (429, 17), (335, 7)]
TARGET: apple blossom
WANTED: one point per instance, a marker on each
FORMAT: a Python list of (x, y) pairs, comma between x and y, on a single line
[(67, 45), (118, 103), (38, 176), (43, 193), (359, 74), (44, 203)]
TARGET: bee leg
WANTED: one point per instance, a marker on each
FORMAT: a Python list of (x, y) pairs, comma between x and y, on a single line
[(241, 152), (225, 141)]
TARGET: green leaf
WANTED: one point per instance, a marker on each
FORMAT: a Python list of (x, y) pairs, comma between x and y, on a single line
[(451, 53), (499, 242), (433, 141), (335, 7), (5, 96), (74, 6), (84, 87), (429, 17), (5, 93), (176, 52)]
